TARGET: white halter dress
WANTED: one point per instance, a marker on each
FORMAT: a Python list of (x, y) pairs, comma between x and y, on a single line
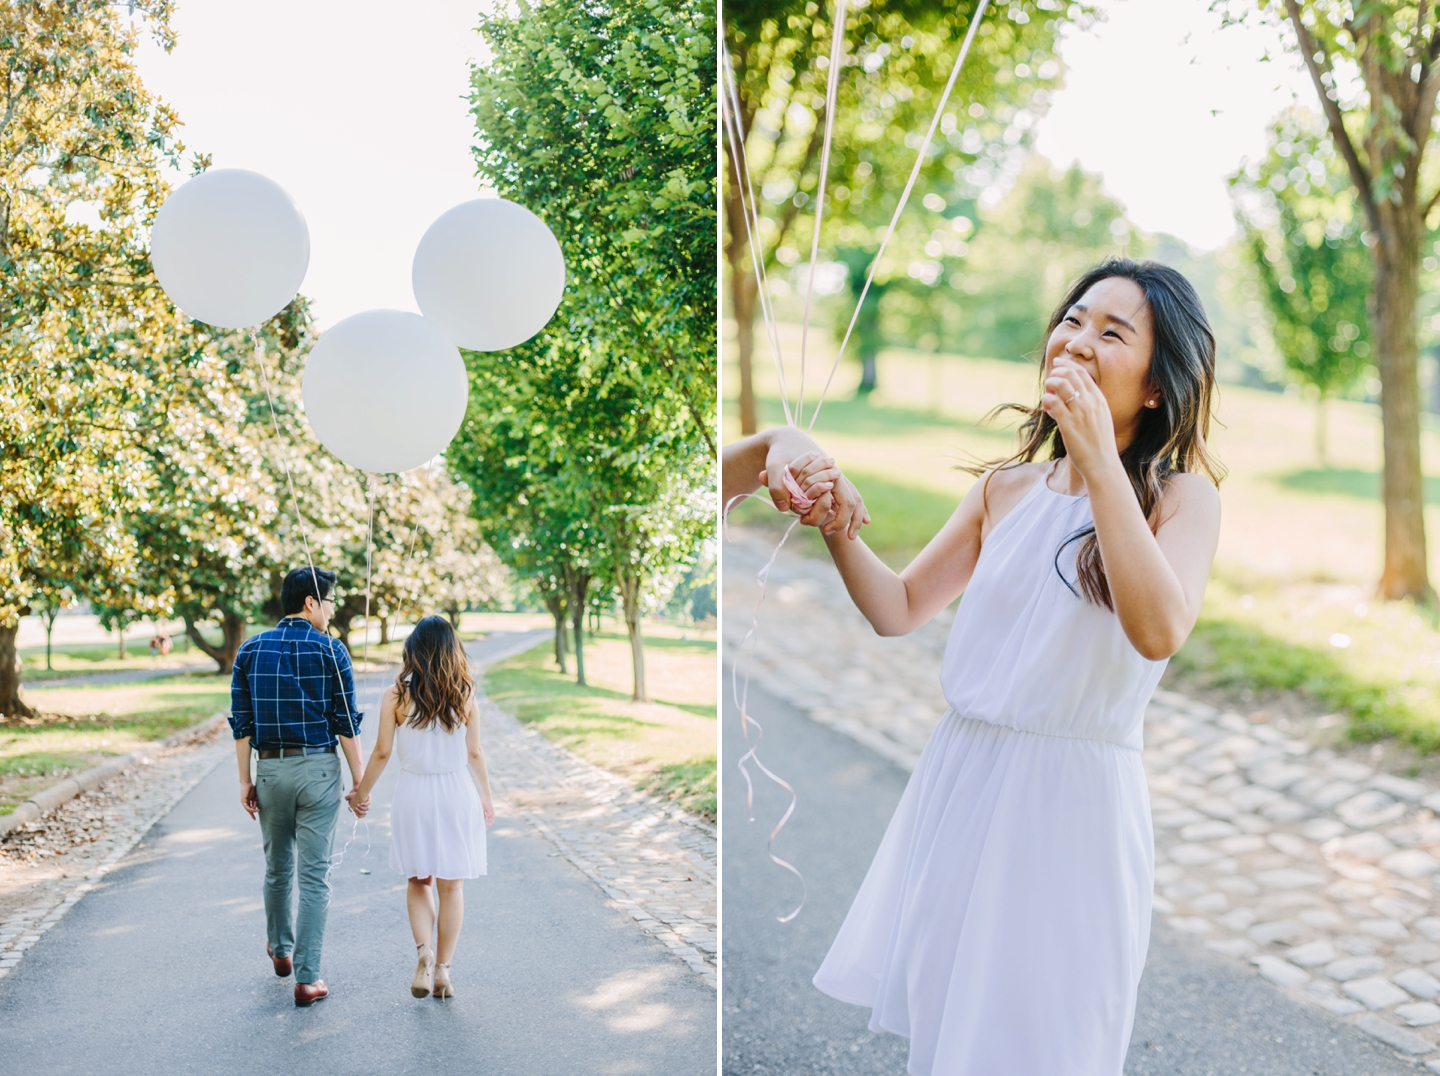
[(1004, 922), (436, 825)]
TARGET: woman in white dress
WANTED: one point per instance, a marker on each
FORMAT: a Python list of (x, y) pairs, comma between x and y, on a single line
[(1004, 922), (437, 817)]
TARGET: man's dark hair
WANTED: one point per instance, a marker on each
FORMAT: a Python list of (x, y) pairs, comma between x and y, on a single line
[(300, 584)]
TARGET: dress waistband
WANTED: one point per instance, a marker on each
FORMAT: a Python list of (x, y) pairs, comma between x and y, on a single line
[(952, 712)]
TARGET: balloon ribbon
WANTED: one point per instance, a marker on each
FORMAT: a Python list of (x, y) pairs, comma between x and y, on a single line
[(799, 502)]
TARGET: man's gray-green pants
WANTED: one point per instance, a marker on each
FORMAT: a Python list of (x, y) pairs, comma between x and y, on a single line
[(299, 800)]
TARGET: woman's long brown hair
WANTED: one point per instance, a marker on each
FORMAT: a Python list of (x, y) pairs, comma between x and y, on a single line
[(1168, 439), (434, 684)]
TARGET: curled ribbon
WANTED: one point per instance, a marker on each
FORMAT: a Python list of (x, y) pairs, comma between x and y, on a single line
[(799, 505), (799, 502)]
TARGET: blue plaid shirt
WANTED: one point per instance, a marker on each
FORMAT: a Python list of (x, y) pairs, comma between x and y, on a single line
[(292, 686)]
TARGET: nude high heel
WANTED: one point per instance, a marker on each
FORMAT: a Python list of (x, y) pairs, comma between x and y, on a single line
[(442, 982), (424, 971)]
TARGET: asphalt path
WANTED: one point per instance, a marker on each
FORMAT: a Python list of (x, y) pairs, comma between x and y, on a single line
[(1198, 1015), (162, 967)]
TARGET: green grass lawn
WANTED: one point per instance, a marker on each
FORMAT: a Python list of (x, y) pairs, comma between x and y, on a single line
[(666, 746), (85, 659), (80, 727)]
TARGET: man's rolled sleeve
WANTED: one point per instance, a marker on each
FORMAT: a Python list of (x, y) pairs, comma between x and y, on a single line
[(343, 717), (242, 711)]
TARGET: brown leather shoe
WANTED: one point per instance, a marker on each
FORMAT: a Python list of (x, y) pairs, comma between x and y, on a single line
[(282, 963), (307, 994)]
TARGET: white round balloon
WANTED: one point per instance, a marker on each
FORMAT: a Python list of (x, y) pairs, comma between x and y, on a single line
[(489, 273), (385, 390), (230, 248)]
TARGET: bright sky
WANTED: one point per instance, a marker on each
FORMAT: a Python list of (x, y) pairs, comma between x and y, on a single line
[(356, 107), (1164, 105)]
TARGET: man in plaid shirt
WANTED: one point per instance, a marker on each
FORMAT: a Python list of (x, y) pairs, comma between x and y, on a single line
[(292, 700)]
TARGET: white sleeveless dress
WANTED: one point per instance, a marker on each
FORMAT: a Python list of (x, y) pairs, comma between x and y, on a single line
[(1004, 922), (436, 824)]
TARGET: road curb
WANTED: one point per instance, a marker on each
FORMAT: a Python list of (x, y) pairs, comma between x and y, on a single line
[(59, 794)]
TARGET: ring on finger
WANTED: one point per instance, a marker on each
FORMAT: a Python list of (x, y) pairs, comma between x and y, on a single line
[(1073, 397)]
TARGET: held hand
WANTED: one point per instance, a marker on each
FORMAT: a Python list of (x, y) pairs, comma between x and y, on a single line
[(250, 799), (812, 473), (787, 445), (840, 507), (1078, 407), (356, 804), (489, 811)]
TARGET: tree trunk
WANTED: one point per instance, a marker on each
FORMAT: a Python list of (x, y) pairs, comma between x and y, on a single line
[(1321, 453), (578, 582), (743, 294), (630, 582), (1394, 299), (49, 633), (1435, 381), (11, 704), (555, 602), (344, 619), (867, 374), (232, 628), (342, 630), (120, 631), (384, 630)]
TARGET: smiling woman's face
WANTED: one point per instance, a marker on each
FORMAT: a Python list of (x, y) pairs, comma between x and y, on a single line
[(1108, 333)]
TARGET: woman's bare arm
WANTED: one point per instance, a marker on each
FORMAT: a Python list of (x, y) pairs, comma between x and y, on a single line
[(762, 459), (898, 603), (384, 744), (1156, 579), (476, 756)]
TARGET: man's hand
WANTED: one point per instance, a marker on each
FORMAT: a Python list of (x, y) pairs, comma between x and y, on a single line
[(357, 805), (250, 798)]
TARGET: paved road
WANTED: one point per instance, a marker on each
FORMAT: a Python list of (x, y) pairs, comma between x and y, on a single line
[(162, 967), (1198, 1014)]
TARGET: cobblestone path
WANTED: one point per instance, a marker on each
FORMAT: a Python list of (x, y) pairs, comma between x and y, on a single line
[(653, 860), (1317, 870)]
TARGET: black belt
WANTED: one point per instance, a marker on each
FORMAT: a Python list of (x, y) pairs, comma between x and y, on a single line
[(291, 752)]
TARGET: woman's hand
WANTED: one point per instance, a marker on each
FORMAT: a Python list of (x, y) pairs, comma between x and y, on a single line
[(488, 809), (837, 504), (791, 448), (1080, 409), (357, 803)]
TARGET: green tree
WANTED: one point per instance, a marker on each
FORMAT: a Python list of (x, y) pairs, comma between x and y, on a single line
[(1304, 239), (1376, 71), (600, 117), (82, 146), (49, 598), (517, 454), (580, 474), (1007, 270), (899, 56)]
